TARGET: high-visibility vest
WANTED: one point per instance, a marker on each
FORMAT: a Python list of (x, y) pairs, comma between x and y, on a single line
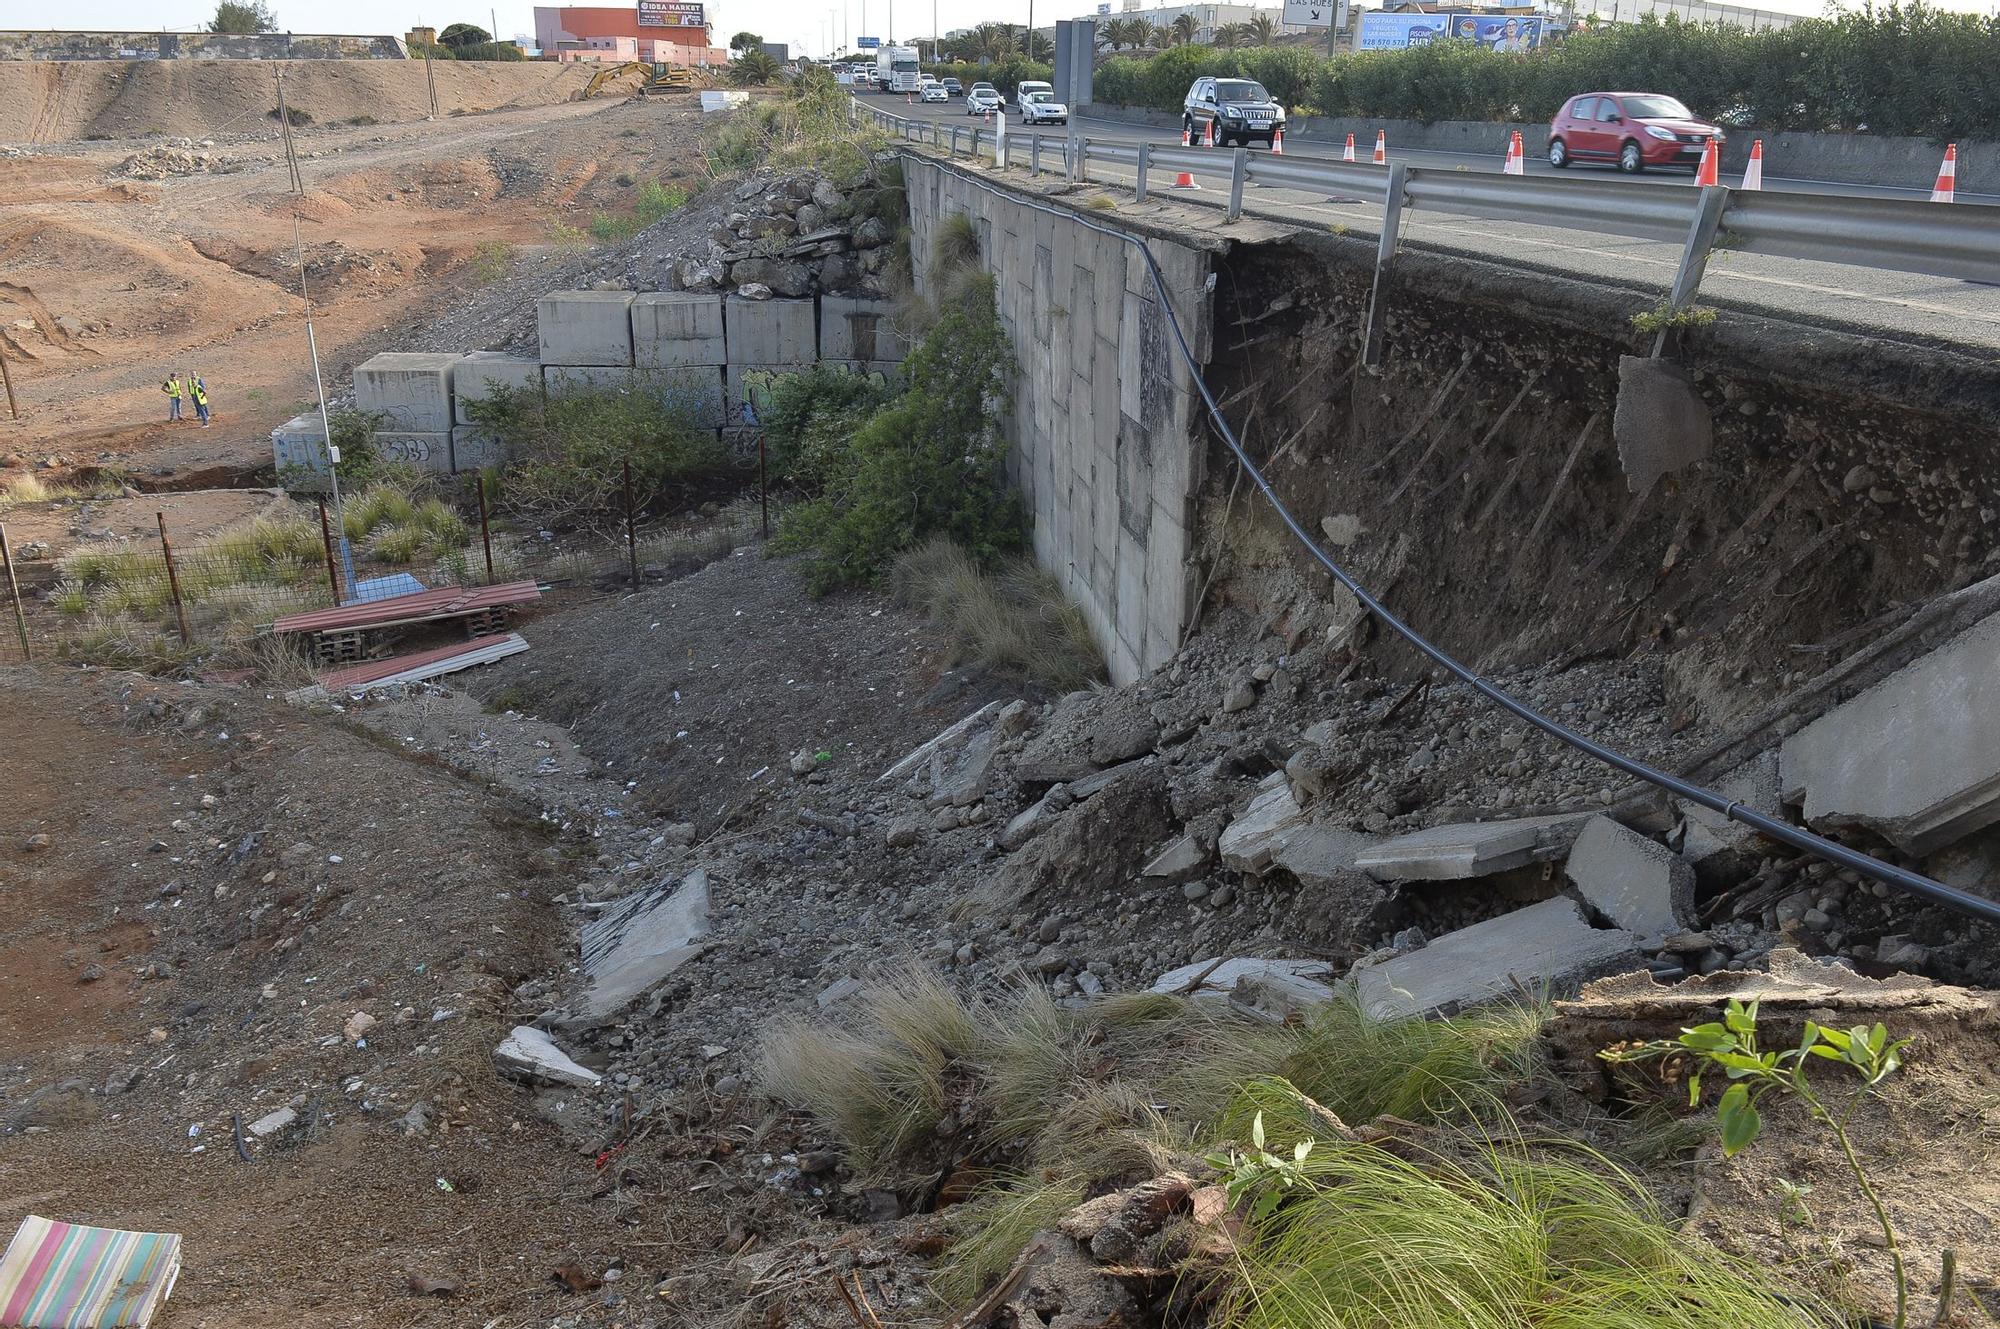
[(172, 387), (200, 393)]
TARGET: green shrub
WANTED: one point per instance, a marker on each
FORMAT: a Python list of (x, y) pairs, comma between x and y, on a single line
[(808, 128), (810, 419), (569, 450), (1006, 75), (927, 463), (656, 201)]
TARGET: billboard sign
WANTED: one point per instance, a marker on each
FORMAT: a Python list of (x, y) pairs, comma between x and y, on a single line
[(670, 14), (1514, 33), (1314, 14), (1393, 32), (867, 43)]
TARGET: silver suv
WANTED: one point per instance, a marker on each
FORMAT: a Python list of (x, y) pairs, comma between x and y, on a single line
[(1239, 108)]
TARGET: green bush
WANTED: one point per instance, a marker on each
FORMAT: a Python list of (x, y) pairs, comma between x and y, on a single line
[(1899, 70), (501, 51), (569, 451), (1006, 75), (810, 419), (926, 463)]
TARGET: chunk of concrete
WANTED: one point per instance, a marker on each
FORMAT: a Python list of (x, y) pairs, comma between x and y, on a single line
[(409, 447), (1216, 982), (773, 334), (857, 329), (530, 1054), (1661, 424), (409, 390), (1916, 758), (475, 448), (947, 738), (568, 380), (971, 774), (1099, 781), (1639, 884), (671, 329), (1471, 849), (272, 1122), (1711, 836), (1182, 860), (476, 376), (585, 327), (638, 941), (298, 449), (1550, 943), (1274, 832)]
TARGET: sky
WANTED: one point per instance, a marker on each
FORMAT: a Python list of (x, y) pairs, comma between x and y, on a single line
[(808, 25)]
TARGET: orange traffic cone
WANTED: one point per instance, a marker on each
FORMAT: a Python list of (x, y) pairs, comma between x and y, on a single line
[(1348, 155), (909, 99), (1208, 134), (1753, 174), (1185, 180), (1947, 181), (1278, 141), (1381, 147), (1514, 164), (1705, 174), (1187, 135)]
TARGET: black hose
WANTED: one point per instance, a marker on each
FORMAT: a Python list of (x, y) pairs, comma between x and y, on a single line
[(1903, 879)]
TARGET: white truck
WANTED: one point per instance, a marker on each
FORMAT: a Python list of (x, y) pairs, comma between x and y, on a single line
[(896, 69)]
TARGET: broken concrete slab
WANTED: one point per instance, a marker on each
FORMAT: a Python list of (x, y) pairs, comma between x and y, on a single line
[(1471, 849), (1207, 980), (1550, 943), (530, 1054), (272, 1122), (1916, 757), (1712, 837), (638, 941), (1182, 860), (1274, 831), (948, 738), (1661, 424), (967, 782), (1639, 884), (1099, 781), (1025, 824)]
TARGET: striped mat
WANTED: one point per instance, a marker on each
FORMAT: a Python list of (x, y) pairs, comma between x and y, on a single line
[(67, 1276)]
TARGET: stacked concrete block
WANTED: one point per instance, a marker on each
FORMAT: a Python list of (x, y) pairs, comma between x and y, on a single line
[(694, 391), (298, 447), (409, 390), (563, 380), (854, 330), (476, 448), (475, 377), (425, 449), (671, 329), (767, 338), (585, 327)]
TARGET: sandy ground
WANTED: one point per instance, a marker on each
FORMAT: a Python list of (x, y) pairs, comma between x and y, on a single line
[(113, 281)]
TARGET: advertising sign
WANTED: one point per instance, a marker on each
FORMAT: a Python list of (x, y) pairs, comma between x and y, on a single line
[(1393, 32), (670, 14), (1315, 14), (1499, 32), (867, 43)]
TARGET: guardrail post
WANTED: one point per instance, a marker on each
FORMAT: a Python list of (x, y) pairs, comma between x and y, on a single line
[(1145, 164), (1239, 165), (1034, 154), (1694, 258), (1000, 143), (1385, 252), (973, 150)]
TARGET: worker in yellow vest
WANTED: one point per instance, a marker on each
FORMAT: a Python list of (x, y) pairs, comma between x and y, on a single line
[(172, 387), (199, 391)]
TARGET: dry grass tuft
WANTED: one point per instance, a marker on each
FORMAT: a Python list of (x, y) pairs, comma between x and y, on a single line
[(1016, 619)]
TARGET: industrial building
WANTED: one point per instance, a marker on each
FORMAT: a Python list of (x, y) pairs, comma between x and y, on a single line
[(658, 31)]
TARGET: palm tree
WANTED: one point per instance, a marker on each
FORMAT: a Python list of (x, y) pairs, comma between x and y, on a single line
[(1184, 29), (1038, 45), (994, 41), (1160, 37), (1229, 36), (1262, 29), (1125, 32), (754, 68)]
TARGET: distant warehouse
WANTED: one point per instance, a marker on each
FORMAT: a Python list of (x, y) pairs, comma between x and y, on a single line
[(55, 44), (657, 31)]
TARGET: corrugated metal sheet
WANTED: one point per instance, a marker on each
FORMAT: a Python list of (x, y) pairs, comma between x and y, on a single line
[(423, 664), (66, 1276), (445, 602)]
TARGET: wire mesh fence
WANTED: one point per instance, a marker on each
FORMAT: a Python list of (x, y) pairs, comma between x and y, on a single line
[(158, 603)]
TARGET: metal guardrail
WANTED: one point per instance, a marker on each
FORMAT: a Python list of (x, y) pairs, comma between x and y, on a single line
[(1959, 241)]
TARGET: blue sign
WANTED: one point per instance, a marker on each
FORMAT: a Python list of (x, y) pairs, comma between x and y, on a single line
[(867, 43), (1393, 32)]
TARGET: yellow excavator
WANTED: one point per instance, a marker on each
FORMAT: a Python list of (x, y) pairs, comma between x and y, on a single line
[(668, 77), (607, 73)]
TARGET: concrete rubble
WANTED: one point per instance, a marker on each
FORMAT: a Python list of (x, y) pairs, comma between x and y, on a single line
[(1471, 849), (1640, 885), (1916, 757), (1512, 956), (637, 942), (1274, 831), (529, 1053)]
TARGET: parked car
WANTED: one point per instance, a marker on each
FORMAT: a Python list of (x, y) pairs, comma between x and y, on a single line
[(935, 92), (1042, 108), (954, 87), (984, 97), (1239, 108), (1633, 129), (1028, 87)]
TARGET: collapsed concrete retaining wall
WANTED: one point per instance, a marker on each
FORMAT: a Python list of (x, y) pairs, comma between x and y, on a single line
[(1105, 424), (60, 45), (1864, 159)]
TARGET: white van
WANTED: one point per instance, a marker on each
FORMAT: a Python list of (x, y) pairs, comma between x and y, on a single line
[(1021, 90)]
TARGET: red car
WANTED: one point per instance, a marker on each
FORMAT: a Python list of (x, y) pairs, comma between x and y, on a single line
[(1633, 129)]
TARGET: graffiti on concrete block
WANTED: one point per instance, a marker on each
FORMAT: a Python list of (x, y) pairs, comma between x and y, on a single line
[(431, 452)]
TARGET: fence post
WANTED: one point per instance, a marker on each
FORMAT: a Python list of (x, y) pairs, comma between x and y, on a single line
[(1000, 143), (1385, 251), (1239, 165), (326, 542), (1145, 165), (1694, 256), (485, 531), (631, 539), (14, 588), (173, 579)]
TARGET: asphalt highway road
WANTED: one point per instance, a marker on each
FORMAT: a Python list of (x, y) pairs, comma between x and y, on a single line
[(1896, 305)]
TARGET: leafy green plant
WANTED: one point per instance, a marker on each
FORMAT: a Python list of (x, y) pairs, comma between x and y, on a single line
[(656, 200), (1730, 1046), (491, 262), (1260, 1177), (1662, 316)]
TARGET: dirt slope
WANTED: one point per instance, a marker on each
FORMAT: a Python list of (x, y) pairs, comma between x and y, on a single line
[(50, 101)]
